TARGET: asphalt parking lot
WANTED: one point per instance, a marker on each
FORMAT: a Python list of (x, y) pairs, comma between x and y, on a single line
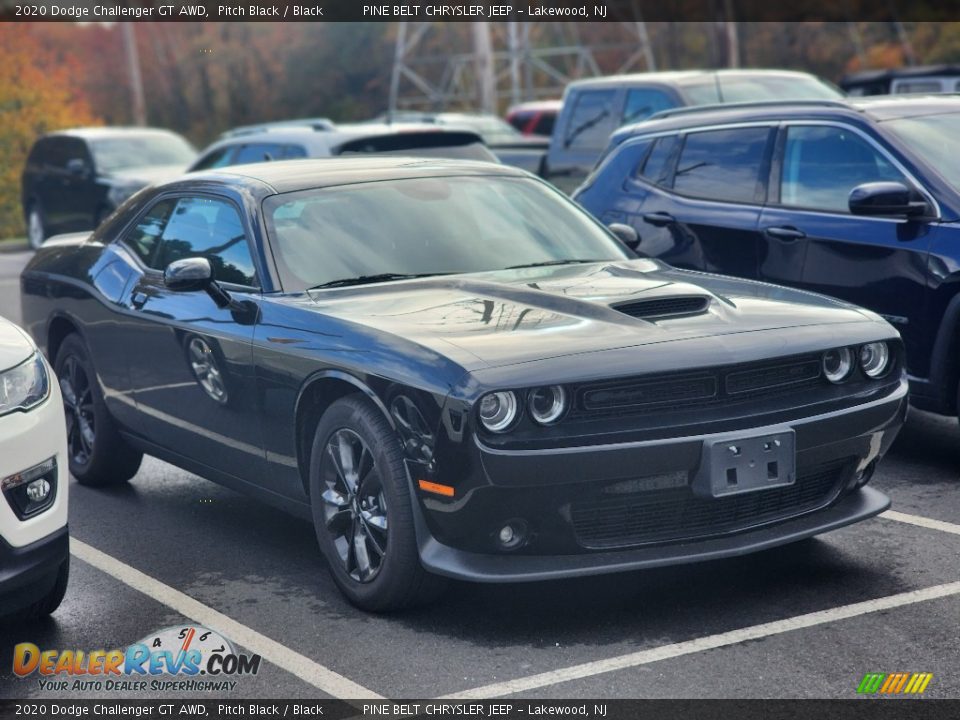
[(807, 620)]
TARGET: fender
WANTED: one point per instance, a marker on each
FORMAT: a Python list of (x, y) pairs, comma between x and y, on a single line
[(346, 377)]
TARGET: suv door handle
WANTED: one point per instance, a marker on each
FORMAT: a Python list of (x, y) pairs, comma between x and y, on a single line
[(659, 219), (785, 233)]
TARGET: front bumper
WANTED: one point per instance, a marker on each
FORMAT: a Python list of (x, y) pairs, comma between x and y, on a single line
[(548, 490), (28, 573)]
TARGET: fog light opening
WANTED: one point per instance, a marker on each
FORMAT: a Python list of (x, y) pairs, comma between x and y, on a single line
[(38, 490), (512, 535)]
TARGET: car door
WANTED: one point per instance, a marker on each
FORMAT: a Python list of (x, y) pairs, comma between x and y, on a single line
[(813, 242), (578, 142), (190, 360), (697, 198)]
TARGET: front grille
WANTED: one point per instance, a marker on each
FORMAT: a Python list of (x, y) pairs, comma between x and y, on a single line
[(675, 513), (658, 308), (705, 387)]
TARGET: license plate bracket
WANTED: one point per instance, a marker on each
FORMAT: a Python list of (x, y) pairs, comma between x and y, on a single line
[(735, 464)]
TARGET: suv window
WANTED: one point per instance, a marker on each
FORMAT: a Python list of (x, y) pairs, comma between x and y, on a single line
[(174, 229), (218, 158), (821, 165), (643, 102), (656, 168), (591, 120), (258, 152), (722, 164)]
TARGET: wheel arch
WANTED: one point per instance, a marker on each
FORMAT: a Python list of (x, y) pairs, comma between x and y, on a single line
[(58, 328), (318, 393)]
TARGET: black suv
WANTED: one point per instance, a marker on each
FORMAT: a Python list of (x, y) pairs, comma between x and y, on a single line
[(859, 200), (74, 178)]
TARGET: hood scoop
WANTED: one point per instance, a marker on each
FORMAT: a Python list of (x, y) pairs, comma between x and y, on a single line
[(664, 307)]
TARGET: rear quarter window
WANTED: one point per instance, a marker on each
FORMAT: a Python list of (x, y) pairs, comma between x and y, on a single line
[(723, 164)]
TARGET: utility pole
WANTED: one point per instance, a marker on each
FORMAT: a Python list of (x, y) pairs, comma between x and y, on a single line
[(136, 80), (483, 52)]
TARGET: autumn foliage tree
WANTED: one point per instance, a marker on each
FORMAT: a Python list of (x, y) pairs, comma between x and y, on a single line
[(36, 96)]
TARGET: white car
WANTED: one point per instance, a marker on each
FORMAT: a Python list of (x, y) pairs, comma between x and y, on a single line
[(34, 546)]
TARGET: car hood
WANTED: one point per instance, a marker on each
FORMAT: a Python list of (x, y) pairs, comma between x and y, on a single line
[(15, 346), (515, 316), (144, 176)]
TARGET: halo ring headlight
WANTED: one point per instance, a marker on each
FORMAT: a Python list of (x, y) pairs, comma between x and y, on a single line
[(875, 359), (837, 364), (547, 404), (498, 410)]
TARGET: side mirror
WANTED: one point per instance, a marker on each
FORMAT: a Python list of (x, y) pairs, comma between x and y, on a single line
[(188, 275), (78, 167), (625, 234), (888, 199)]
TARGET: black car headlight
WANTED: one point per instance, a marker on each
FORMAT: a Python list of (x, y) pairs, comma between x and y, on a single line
[(498, 410), (837, 364), (547, 404), (875, 359), (24, 386)]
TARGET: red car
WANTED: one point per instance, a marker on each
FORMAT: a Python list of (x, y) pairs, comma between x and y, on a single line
[(535, 118)]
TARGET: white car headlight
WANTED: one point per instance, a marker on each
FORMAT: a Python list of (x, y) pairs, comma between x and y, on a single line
[(25, 386)]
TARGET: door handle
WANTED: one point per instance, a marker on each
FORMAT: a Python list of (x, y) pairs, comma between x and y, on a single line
[(139, 299), (785, 233), (659, 219)]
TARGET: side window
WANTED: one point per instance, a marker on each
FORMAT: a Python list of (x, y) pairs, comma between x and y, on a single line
[(57, 153), (258, 152), (291, 152), (76, 149), (144, 239), (643, 102), (217, 158), (902, 87), (821, 165), (591, 120), (195, 227), (656, 168), (722, 164), (544, 124)]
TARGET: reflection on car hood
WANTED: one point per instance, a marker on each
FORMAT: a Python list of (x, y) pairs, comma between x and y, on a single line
[(15, 346), (535, 313), (146, 175)]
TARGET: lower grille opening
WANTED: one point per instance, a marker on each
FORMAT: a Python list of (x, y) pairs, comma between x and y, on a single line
[(675, 513)]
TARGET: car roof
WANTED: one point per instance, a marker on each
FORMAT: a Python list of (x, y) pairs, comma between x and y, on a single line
[(291, 175), (536, 105), (864, 77), (877, 108), (679, 77), (319, 138), (93, 133)]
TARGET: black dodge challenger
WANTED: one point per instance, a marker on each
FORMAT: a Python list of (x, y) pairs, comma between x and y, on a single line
[(456, 372)]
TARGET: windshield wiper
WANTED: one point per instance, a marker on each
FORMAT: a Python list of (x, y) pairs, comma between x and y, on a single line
[(367, 279), (545, 263)]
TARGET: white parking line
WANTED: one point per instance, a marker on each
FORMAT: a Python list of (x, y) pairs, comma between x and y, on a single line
[(922, 521), (664, 652), (293, 662)]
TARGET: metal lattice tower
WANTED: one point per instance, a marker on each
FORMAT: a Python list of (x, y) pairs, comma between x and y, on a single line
[(506, 62)]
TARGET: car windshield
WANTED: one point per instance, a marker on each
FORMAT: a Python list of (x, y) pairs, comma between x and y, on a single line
[(933, 138), (423, 226), (137, 151), (752, 89)]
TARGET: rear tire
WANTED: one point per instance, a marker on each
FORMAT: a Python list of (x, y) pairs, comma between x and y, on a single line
[(98, 456), (36, 229), (362, 510)]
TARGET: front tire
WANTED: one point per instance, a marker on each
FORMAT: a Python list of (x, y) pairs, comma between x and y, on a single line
[(362, 510), (98, 456)]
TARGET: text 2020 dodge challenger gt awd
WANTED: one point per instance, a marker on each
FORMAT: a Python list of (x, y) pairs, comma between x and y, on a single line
[(456, 372)]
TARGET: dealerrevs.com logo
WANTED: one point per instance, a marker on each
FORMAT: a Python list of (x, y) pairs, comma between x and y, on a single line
[(189, 658)]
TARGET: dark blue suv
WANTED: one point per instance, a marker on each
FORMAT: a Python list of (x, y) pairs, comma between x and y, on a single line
[(855, 199)]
